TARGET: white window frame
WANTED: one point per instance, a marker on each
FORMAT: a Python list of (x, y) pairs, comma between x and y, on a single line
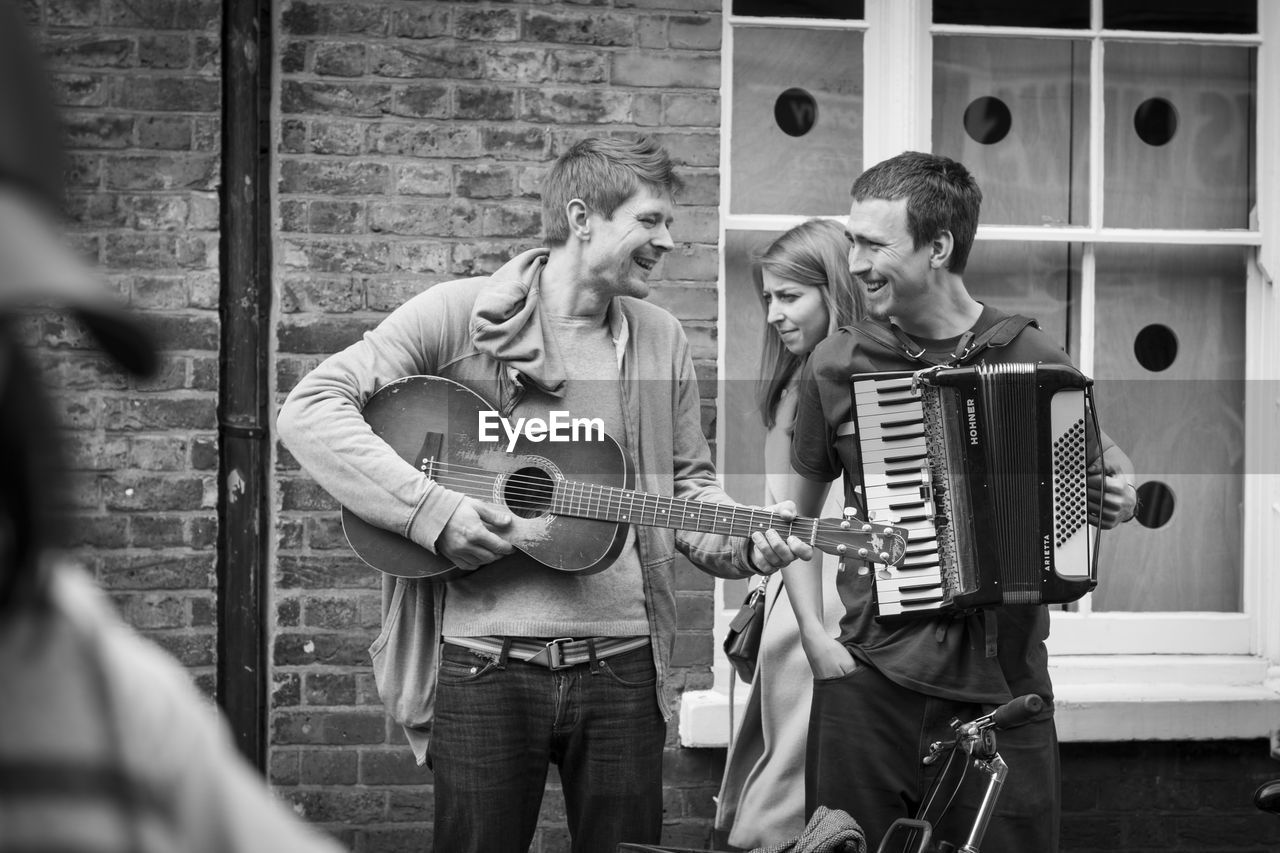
[(1181, 675)]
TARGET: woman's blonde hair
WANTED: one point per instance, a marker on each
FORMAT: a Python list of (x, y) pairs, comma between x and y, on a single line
[(815, 253)]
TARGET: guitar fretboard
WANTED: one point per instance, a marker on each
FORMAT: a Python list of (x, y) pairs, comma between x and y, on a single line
[(605, 503)]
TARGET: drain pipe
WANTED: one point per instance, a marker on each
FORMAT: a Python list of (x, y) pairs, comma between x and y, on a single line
[(244, 450)]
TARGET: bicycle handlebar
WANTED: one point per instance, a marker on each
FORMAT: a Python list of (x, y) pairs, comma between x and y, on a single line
[(1008, 715), (1016, 712)]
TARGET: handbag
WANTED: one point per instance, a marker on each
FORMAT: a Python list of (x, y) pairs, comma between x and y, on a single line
[(742, 643)]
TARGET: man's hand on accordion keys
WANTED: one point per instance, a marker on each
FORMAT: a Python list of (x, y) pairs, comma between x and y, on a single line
[(1113, 499)]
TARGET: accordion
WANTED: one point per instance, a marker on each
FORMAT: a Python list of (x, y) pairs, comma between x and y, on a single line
[(985, 465)]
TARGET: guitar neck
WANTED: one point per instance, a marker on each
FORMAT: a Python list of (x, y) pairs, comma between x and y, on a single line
[(604, 503)]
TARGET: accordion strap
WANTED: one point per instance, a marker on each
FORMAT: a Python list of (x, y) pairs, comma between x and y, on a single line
[(998, 334)]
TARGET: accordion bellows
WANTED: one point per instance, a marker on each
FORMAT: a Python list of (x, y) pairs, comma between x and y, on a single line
[(985, 465)]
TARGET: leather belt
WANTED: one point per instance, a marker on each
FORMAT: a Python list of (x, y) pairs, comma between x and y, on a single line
[(560, 653)]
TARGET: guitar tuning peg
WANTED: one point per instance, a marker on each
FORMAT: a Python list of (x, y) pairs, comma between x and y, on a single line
[(850, 511)]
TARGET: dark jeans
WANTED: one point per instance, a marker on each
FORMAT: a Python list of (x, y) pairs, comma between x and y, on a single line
[(867, 737), (499, 725)]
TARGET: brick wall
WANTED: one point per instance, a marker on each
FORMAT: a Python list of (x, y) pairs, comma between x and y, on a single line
[(413, 139), (1157, 797), (139, 85)]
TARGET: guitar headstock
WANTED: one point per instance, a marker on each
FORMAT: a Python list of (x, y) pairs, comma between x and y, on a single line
[(861, 540)]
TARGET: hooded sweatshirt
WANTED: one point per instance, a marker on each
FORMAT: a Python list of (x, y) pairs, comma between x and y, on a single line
[(488, 334)]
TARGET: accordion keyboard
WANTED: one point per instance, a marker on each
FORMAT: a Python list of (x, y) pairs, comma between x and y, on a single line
[(897, 485)]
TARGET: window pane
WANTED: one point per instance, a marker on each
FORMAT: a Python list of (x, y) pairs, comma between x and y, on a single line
[(1015, 112), (1037, 280), (744, 330), (1182, 16), (1066, 14), (1179, 135), (797, 120), (1170, 391), (844, 10)]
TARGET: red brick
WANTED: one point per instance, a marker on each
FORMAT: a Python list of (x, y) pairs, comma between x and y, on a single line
[(88, 51), (425, 61), (190, 648), (170, 94), (330, 688), (420, 101), (331, 19), (352, 807), (170, 51), (489, 25), (520, 65), (325, 572), (580, 28), (326, 648), (351, 99), (342, 59), (173, 133), (484, 103), (391, 767), (591, 106), (420, 22), (80, 90), (337, 137), (72, 13), (668, 70), (327, 767), (327, 727), (699, 32)]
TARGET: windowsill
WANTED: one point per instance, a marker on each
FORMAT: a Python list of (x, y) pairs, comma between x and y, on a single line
[(1101, 698)]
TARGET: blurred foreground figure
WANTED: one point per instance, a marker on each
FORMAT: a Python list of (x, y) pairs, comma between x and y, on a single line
[(105, 745)]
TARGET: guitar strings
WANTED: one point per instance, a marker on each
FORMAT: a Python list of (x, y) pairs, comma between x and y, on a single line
[(535, 492)]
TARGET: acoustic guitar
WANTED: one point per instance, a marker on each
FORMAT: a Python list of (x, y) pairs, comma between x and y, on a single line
[(571, 499)]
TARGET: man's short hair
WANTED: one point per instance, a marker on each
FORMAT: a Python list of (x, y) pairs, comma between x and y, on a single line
[(603, 172), (941, 196)]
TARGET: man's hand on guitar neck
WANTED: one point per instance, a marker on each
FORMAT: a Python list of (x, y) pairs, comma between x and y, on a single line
[(472, 536), (770, 551)]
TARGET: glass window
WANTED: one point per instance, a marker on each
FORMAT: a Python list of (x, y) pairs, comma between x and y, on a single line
[(743, 336), (797, 120), (1182, 16), (1169, 367), (1037, 280), (845, 10), (742, 469), (1016, 113), (1179, 135), (1068, 14)]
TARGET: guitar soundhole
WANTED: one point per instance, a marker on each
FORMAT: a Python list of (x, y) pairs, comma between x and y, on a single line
[(527, 492)]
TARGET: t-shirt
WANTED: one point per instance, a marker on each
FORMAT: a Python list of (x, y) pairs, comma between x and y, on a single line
[(533, 601), (944, 656)]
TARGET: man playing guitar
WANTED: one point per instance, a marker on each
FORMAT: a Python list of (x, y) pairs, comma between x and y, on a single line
[(510, 667)]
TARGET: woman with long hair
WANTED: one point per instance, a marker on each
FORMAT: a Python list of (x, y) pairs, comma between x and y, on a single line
[(807, 292)]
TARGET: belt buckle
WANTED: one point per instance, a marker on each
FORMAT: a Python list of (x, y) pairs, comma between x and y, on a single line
[(555, 653)]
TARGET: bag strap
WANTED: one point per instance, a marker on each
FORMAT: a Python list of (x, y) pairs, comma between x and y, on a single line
[(998, 334)]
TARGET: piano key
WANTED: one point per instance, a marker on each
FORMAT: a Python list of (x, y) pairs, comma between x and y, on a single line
[(894, 608), (909, 597)]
